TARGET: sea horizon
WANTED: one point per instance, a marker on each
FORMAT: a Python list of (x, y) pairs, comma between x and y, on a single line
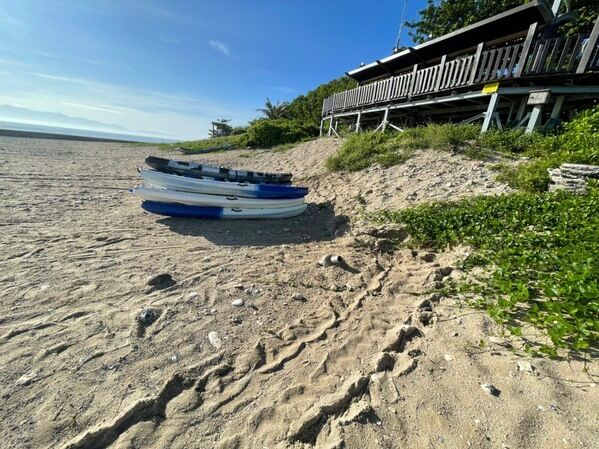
[(79, 132)]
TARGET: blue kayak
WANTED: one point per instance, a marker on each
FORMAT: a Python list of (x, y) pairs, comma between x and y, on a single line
[(220, 213)]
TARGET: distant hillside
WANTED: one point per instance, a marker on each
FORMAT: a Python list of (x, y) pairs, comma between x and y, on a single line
[(18, 114)]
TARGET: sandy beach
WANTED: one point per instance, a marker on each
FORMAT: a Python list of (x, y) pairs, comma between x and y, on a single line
[(360, 355)]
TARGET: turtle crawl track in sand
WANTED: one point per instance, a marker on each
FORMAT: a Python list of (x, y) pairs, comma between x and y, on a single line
[(357, 355)]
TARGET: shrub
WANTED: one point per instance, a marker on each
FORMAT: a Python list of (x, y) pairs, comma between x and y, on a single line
[(580, 141), (361, 150), (238, 130), (364, 149), (529, 177), (514, 142), (444, 137), (198, 145), (270, 133), (540, 253)]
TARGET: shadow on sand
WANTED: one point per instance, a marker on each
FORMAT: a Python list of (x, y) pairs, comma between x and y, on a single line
[(317, 223)]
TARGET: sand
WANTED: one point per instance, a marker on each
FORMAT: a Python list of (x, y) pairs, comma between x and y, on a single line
[(358, 356)]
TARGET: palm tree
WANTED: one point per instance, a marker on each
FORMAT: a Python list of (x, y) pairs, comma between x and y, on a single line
[(274, 110)]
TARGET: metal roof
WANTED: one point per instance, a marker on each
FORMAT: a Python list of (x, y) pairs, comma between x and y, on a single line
[(507, 23)]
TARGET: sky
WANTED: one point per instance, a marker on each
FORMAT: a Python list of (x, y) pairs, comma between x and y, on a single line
[(168, 68)]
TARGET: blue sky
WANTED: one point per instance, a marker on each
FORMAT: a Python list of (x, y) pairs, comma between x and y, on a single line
[(168, 68)]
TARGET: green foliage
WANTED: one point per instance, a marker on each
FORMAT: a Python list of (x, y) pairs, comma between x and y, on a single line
[(439, 18), (442, 17), (578, 143), (235, 141), (270, 133), (512, 141), (364, 149), (540, 251), (308, 108), (529, 177), (586, 11), (274, 111), (238, 130)]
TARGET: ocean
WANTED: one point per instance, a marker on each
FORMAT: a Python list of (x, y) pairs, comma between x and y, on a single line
[(34, 128)]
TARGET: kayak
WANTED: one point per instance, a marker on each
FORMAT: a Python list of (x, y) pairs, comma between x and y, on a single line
[(227, 188), (201, 199), (226, 146), (197, 170), (220, 213)]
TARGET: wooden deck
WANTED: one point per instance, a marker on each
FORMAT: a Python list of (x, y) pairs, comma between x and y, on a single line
[(528, 62)]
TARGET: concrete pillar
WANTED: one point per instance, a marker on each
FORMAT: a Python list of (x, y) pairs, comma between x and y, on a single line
[(385, 118), (557, 108), (490, 111), (535, 117), (521, 109)]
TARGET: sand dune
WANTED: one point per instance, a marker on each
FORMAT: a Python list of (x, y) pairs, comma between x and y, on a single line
[(358, 356)]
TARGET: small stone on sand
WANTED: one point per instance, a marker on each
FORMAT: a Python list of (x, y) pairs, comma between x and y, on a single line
[(526, 367), (215, 340), (491, 389)]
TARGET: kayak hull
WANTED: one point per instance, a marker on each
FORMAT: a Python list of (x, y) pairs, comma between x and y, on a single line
[(220, 213), (201, 199)]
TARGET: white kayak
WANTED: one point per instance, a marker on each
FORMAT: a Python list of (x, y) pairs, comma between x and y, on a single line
[(220, 213), (202, 199), (226, 188)]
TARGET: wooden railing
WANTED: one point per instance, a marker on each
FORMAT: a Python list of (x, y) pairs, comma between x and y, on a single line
[(545, 57)]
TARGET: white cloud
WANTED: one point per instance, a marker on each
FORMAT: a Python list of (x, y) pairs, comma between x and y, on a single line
[(60, 78), (145, 112), (103, 108), (219, 46)]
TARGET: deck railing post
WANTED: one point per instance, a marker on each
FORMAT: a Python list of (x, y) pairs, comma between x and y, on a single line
[(479, 51), (589, 49), (389, 87), (532, 30), (555, 7), (413, 80), (440, 73)]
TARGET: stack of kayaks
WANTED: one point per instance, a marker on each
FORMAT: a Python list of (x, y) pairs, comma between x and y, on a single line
[(190, 189)]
